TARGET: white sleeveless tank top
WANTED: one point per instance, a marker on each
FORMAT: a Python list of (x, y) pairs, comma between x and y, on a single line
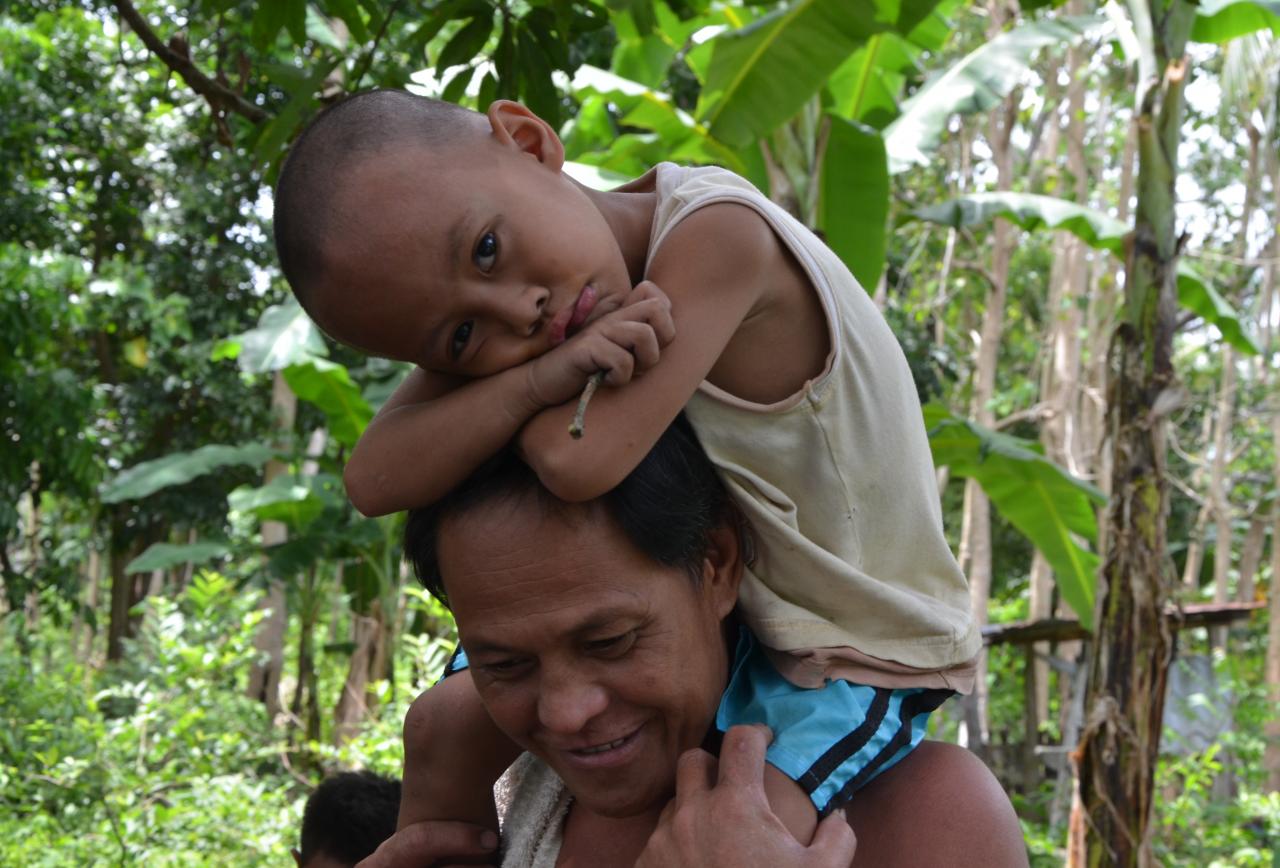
[(852, 576)]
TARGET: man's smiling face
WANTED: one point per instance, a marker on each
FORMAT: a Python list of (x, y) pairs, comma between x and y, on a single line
[(585, 651)]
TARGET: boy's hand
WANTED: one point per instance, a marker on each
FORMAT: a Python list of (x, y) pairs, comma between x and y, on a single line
[(623, 342)]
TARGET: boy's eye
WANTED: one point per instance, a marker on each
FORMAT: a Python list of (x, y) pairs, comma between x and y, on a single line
[(486, 253), (458, 342)]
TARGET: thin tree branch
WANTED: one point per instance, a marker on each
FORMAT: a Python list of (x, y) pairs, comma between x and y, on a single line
[(1035, 414), (977, 269), (214, 93), (367, 60), (1065, 629), (1191, 493)]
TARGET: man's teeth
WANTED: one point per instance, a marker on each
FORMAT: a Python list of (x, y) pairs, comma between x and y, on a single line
[(601, 748)]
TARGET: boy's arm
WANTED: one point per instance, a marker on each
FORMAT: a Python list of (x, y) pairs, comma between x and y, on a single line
[(714, 267), (432, 432), (436, 428)]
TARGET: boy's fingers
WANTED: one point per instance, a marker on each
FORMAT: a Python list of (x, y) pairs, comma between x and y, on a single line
[(620, 364), (645, 348), (649, 289), (834, 842), (425, 843), (742, 755)]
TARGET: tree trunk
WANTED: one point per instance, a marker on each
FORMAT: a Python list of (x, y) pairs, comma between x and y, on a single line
[(306, 703), (1271, 755), (1220, 504), (93, 582), (1195, 543), (1251, 557), (1060, 391), (264, 675), (1271, 729), (976, 523), (351, 703), (1133, 645), (1104, 305), (126, 590), (1041, 607)]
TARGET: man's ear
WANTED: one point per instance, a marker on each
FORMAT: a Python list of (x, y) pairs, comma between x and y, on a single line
[(515, 125), (722, 567)]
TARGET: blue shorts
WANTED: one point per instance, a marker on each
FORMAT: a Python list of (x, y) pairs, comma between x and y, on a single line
[(831, 740)]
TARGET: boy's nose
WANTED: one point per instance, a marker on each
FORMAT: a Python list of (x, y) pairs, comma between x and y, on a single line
[(525, 310)]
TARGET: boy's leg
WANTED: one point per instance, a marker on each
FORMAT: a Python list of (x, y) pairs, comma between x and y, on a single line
[(939, 806), (453, 754), (829, 741), (790, 804)]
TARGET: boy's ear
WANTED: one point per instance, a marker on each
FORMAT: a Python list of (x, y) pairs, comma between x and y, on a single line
[(515, 125)]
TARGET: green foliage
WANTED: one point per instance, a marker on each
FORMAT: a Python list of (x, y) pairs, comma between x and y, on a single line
[(854, 204), (177, 468), (1201, 822), (284, 336), (1196, 295), (162, 556), (328, 385), (1100, 231), (1032, 212), (161, 762), (1039, 498), (137, 262), (760, 75), (976, 83), (1224, 20)]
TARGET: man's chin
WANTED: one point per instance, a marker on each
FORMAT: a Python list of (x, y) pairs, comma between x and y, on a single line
[(615, 793), (620, 804)]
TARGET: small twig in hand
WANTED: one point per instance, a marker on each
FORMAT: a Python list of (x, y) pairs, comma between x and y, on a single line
[(579, 416)]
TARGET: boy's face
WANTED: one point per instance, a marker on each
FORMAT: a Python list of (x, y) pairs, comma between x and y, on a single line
[(469, 260)]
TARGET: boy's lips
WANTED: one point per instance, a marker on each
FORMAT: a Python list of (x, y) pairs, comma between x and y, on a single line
[(571, 318)]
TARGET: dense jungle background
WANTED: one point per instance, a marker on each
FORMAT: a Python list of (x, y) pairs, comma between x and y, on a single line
[(196, 626)]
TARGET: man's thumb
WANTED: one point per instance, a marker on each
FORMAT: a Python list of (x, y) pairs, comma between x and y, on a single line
[(833, 843)]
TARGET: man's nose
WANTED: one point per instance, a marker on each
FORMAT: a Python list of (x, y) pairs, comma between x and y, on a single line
[(523, 309), (567, 702)]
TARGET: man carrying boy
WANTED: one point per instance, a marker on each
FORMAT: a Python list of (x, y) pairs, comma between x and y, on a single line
[(427, 233)]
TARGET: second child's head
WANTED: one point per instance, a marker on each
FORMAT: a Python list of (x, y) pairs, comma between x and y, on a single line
[(424, 232), (346, 818)]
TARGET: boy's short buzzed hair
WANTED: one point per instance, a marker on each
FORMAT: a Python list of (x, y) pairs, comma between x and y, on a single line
[(348, 816), (359, 127)]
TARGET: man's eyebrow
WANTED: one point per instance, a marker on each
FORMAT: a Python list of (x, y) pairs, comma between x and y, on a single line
[(595, 622)]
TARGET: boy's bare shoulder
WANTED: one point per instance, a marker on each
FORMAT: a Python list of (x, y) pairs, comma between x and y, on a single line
[(725, 259), (728, 242)]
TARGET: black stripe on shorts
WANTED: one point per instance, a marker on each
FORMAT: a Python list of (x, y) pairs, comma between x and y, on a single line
[(917, 703), (846, 747)]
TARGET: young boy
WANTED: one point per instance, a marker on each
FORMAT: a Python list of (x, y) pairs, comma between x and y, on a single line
[(427, 233)]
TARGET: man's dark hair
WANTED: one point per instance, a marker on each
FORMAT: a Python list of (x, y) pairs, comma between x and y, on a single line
[(348, 816), (359, 127), (667, 506)]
